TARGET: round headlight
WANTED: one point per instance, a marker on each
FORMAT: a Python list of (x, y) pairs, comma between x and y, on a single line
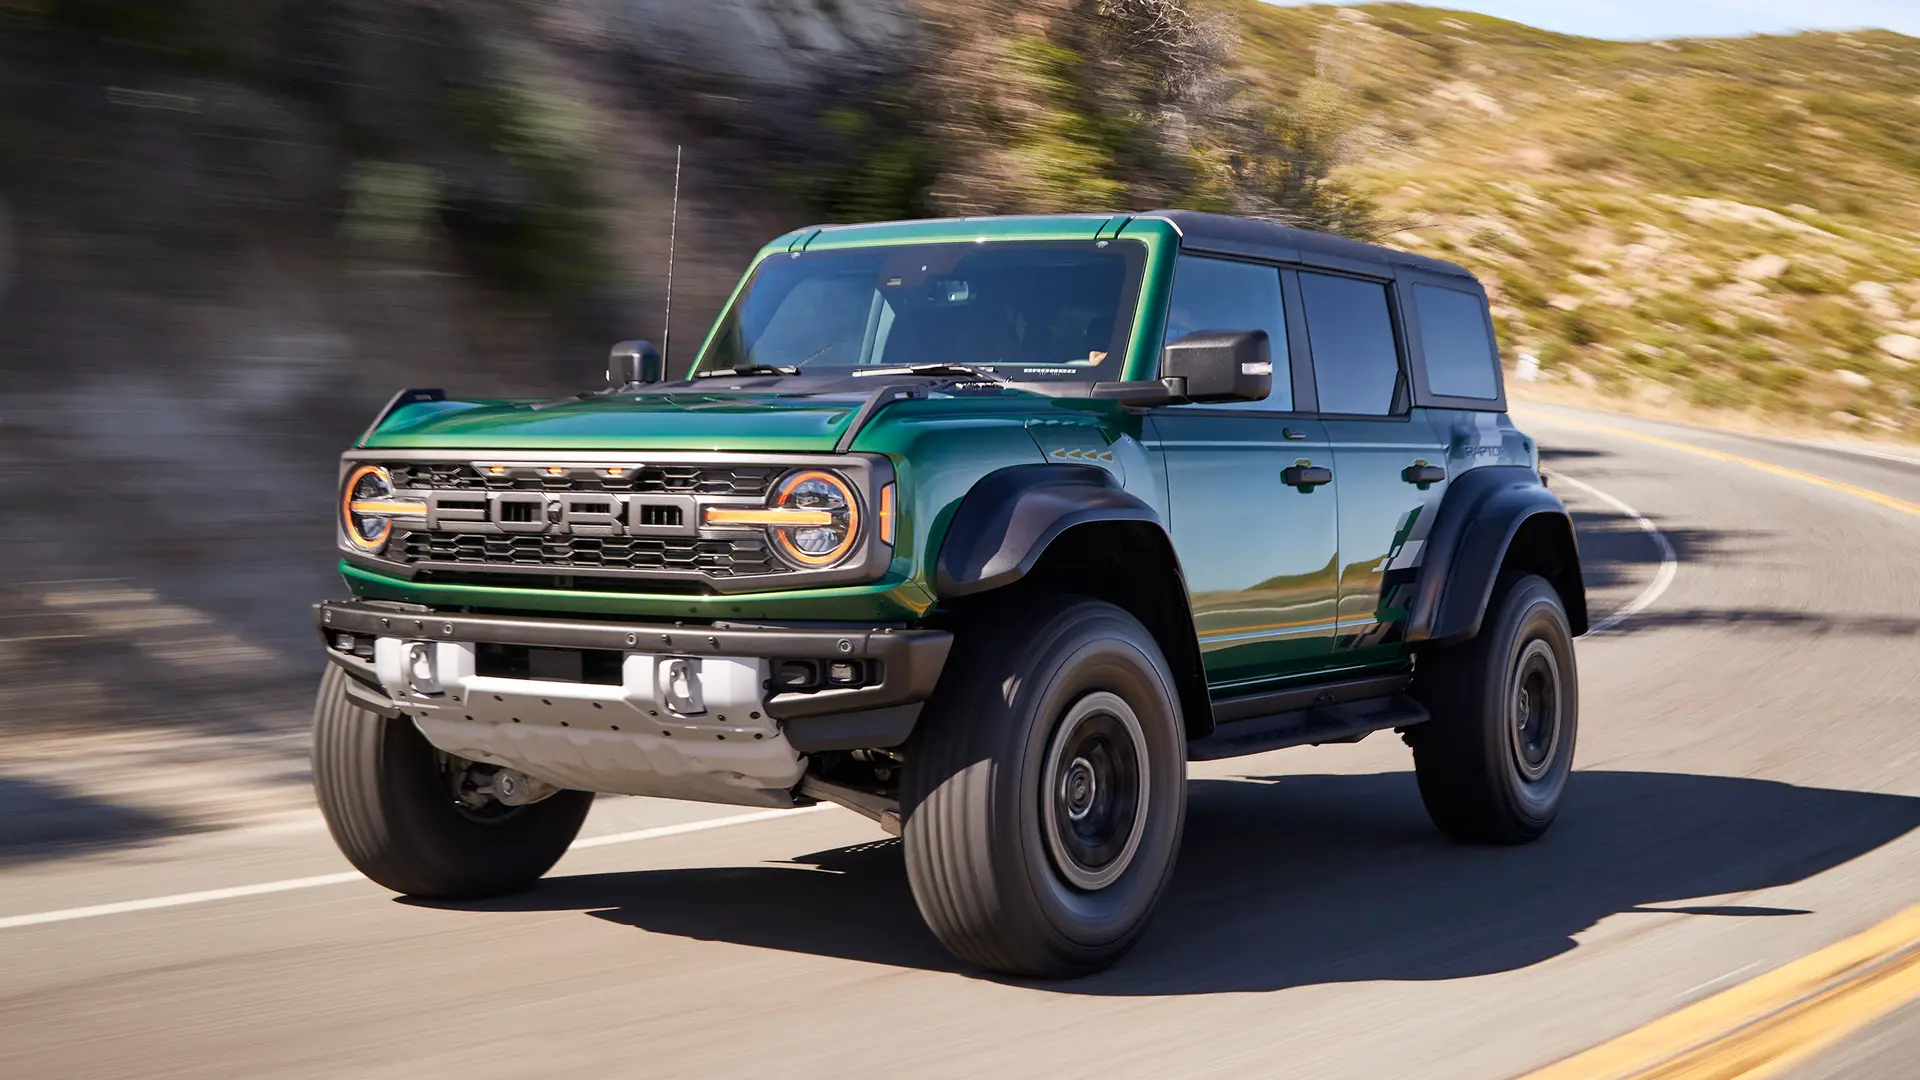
[(368, 483), (829, 541)]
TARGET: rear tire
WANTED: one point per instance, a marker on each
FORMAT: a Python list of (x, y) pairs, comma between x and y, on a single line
[(1494, 760), (384, 792), (1044, 794)]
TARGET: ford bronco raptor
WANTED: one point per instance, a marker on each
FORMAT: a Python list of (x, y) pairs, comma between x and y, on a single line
[(981, 528)]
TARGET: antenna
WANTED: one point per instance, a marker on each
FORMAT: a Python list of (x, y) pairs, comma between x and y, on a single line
[(673, 229)]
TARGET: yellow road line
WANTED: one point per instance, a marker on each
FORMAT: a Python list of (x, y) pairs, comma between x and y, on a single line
[(1767, 1025), (1868, 494)]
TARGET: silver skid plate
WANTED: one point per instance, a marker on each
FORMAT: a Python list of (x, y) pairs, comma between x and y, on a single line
[(675, 727)]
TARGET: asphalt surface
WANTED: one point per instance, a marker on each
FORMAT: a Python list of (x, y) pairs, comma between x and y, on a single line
[(1748, 791)]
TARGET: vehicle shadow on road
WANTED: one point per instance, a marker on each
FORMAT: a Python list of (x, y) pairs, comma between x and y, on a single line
[(1297, 880), (1615, 552), (44, 819)]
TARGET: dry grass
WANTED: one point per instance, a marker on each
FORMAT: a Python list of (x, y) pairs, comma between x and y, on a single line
[(1728, 225)]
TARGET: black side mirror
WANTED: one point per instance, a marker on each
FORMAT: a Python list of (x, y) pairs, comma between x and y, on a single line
[(634, 363), (1221, 365)]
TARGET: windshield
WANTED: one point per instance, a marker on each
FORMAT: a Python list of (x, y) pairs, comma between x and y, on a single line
[(1022, 311)]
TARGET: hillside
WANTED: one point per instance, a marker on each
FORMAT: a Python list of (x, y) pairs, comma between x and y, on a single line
[(1730, 225)]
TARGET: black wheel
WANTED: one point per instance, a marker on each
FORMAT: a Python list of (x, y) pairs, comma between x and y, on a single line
[(394, 805), (1493, 761), (1045, 790)]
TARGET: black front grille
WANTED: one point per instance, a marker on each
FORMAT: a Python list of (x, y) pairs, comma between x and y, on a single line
[(736, 557), (745, 480)]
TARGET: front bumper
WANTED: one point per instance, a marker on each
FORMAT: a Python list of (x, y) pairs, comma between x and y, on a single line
[(882, 714)]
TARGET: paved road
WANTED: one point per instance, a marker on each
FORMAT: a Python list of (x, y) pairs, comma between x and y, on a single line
[(1749, 791)]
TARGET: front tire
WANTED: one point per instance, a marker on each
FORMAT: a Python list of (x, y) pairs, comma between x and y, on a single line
[(386, 797), (1494, 760), (1044, 795)]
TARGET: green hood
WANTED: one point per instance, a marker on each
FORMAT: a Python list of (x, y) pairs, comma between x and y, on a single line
[(683, 420)]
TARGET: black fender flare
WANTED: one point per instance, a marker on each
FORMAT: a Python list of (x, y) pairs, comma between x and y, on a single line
[(1482, 512), (1006, 521), (1010, 520)]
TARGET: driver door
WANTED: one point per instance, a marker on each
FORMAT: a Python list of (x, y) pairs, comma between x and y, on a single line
[(1260, 557)]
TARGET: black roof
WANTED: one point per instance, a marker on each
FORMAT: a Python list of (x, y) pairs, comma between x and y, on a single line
[(1263, 239)]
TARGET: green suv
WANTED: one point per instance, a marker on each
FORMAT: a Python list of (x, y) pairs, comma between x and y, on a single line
[(982, 528)]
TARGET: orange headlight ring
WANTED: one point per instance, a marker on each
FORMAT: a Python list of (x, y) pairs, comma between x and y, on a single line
[(346, 509), (792, 551)]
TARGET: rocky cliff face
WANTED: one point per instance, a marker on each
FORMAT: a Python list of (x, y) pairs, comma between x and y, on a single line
[(229, 229), (774, 46)]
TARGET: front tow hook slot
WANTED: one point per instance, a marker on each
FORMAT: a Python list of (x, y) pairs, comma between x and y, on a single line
[(423, 676), (680, 687)]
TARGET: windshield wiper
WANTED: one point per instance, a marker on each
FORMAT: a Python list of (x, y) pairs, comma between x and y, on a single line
[(752, 369), (935, 369)]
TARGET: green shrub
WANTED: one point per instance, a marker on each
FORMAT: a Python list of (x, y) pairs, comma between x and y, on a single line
[(1587, 159), (548, 241), (1717, 393), (1808, 281), (1780, 378), (1578, 329), (207, 35), (391, 202)]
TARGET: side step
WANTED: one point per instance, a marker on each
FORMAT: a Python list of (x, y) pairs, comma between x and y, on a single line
[(1334, 713)]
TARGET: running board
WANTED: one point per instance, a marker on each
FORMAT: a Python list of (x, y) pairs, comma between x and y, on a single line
[(1340, 722), (1256, 706)]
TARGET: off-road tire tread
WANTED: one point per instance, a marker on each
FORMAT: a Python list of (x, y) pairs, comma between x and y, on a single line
[(394, 827), (949, 831), (1458, 764)]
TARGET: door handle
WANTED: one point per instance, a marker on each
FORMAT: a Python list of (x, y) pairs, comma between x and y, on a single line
[(1306, 476), (1294, 433), (1423, 474)]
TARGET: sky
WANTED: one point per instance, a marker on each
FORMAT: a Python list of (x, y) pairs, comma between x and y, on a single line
[(1639, 19)]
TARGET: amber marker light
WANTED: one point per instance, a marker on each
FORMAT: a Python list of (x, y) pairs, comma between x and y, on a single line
[(387, 507), (754, 515), (886, 514)]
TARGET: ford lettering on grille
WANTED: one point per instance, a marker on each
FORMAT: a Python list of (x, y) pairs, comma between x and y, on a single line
[(567, 514)]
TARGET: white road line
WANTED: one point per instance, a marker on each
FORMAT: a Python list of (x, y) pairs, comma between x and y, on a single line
[(1741, 970), (1669, 562), (693, 826), (207, 896)]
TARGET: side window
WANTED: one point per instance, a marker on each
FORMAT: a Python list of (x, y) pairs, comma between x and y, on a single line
[(1218, 294), (1355, 361), (1454, 337)]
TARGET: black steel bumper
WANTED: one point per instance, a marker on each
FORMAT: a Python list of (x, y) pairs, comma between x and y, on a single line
[(879, 715)]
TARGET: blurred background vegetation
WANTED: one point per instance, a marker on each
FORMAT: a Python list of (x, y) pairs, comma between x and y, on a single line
[(475, 187)]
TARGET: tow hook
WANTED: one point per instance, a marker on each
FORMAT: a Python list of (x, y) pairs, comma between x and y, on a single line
[(483, 784), (515, 788)]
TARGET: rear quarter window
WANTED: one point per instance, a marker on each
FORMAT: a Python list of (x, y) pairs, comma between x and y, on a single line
[(1461, 361)]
